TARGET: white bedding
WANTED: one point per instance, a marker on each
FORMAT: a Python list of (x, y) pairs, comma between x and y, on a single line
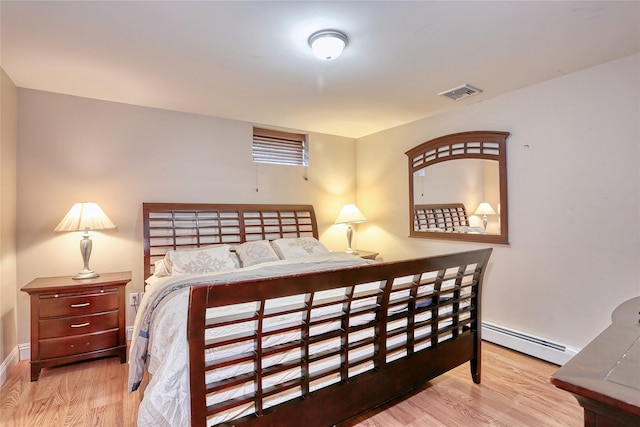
[(159, 335)]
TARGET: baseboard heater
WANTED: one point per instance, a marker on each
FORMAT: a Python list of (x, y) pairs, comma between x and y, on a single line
[(534, 346)]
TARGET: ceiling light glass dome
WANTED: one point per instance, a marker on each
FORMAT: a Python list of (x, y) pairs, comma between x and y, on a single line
[(327, 44)]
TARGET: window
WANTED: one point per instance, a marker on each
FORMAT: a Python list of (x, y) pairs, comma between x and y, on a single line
[(284, 148)]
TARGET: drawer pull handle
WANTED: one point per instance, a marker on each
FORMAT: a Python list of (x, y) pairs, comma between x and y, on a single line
[(84, 304), (80, 325)]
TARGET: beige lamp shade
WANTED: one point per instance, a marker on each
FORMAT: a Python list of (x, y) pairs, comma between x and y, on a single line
[(350, 214), (85, 216), (485, 209)]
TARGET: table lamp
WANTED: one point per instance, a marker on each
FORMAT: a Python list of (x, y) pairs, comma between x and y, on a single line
[(349, 215), (85, 216), (484, 209)]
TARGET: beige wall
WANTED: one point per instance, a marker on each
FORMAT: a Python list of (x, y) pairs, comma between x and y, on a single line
[(8, 288), (573, 160), (573, 188), (73, 149)]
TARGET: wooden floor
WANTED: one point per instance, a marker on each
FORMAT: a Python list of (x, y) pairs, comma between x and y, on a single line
[(515, 392)]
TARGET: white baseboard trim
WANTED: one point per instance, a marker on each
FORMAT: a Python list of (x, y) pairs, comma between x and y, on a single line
[(7, 364), (534, 346), (25, 351)]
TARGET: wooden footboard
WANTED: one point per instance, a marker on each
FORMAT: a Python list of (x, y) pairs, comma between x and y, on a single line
[(392, 327)]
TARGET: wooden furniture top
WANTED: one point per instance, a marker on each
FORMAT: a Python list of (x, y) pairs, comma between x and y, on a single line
[(607, 370), (43, 284)]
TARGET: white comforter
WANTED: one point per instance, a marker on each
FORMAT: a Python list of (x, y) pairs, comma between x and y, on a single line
[(159, 334)]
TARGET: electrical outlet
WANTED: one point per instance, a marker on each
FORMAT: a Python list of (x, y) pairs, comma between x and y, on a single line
[(134, 299)]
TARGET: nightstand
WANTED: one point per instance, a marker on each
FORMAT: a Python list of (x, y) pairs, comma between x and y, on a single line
[(74, 320), (366, 254)]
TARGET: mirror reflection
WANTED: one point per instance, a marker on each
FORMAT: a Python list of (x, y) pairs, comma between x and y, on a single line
[(457, 188)]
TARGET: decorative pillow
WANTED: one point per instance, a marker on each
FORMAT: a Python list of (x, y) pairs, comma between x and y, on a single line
[(298, 247), (206, 259), (257, 252)]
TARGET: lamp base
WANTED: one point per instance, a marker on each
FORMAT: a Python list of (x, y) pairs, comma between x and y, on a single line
[(85, 250), (349, 237), (87, 274)]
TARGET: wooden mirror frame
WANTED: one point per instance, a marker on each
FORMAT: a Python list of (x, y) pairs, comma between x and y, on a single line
[(486, 145)]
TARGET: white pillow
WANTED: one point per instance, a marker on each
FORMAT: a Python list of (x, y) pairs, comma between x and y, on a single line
[(298, 247), (206, 259), (151, 280), (257, 252), (466, 229), (162, 267)]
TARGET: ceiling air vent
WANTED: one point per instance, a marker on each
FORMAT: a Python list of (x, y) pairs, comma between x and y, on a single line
[(461, 92)]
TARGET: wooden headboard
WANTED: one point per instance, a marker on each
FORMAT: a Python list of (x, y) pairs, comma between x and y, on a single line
[(443, 216), (169, 226)]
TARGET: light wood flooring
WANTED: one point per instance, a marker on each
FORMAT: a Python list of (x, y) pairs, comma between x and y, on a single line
[(515, 392)]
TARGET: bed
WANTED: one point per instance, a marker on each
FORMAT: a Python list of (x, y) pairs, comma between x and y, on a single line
[(310, 337)]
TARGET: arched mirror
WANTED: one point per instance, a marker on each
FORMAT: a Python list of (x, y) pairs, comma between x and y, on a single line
[(458, 188)]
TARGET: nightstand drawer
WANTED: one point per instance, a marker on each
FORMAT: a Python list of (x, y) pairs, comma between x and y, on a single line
[(65, 346), (74, 304), (77, 325)]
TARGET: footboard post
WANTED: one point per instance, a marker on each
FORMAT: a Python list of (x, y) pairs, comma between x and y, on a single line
[(195, 337), (476, 327), (476, 362)]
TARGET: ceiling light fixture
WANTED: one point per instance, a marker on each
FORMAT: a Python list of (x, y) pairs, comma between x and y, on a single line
[(327, 44)]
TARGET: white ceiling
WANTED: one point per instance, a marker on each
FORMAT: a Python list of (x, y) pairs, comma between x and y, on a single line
[(251, 61)]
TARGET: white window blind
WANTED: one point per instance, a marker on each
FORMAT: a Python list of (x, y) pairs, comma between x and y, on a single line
[(285, 148)]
